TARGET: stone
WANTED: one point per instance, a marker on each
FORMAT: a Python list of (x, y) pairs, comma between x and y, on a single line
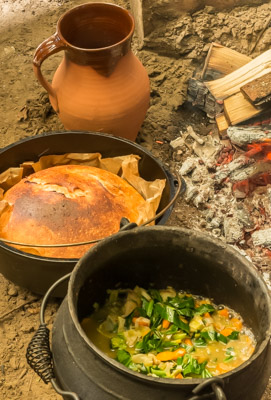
[(12, 291), (188, 165)]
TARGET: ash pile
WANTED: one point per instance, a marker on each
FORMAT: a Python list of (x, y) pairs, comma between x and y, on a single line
[(228, 171), (229, 181)]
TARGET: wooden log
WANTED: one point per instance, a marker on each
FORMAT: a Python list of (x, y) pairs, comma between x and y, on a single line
[(250, 172), (242, 136), (200, 97), (237, 109), (230, 84), (221, 61), (258, 91), (222, 124), (227, 170)]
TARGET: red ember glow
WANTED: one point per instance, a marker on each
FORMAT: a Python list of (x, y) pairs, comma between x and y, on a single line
[(260, 151), (248, 185)]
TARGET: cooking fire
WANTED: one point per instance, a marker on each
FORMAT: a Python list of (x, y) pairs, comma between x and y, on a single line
[(229, 181)]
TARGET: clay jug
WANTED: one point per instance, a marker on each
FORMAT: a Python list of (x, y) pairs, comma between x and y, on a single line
[(100, 85)]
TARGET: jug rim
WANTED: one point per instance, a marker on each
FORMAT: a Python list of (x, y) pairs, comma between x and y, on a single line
[(91, 5)]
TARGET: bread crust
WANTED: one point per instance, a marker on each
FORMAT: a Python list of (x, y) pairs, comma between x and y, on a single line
[(67, 204)]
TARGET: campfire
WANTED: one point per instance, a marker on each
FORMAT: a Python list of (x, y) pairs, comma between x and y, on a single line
[(228, 172), (230, 182)]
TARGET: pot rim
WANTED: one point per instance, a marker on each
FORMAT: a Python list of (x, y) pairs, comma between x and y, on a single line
[(90, 5), (72, 296), (168, 176)]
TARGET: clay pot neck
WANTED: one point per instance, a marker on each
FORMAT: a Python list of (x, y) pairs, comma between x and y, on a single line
[(96, 34)]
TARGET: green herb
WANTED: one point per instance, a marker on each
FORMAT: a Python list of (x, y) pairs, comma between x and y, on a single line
[(208, 335), (230, 351), (155, 294), (221, 338), (158, 372), (118, 342), (200, 342), (204, 308), (234, 335), (124, 357), (228, 359)]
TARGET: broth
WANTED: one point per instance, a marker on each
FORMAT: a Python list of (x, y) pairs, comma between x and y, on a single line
[(169, 334)]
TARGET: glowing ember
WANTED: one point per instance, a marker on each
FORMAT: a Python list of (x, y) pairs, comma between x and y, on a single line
[(260, 151), (243, 188)]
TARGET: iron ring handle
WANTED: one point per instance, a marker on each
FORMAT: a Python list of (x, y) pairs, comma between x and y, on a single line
[(38, 353), (217, 385)]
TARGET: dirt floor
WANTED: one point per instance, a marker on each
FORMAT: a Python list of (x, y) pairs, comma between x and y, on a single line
[(25, 111)]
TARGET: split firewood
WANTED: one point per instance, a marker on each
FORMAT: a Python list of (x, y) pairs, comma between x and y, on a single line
[(242, 136), (258, 91), (230, 84), (222, 124), (221, 61), (237, 109)]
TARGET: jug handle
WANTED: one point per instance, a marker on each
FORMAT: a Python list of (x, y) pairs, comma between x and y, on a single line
[(49, 46)]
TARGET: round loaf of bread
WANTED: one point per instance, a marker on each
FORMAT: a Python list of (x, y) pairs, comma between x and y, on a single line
[(67, 204)]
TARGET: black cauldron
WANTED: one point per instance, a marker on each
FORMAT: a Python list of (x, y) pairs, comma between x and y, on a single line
[(39, 273), (159, 256)]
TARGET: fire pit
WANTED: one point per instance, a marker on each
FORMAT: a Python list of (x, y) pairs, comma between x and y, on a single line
[(38, 273), (157, 256)]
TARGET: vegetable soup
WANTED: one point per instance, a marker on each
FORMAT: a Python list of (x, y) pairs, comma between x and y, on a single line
[(169, 334)]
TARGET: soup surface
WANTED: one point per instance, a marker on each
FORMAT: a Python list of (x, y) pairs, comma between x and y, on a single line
[(169, 334)]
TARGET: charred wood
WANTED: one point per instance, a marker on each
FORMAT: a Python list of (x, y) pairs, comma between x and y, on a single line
[(200, 97), (242, 136)]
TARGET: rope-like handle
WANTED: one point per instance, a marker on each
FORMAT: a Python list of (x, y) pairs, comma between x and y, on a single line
[(39, 356)]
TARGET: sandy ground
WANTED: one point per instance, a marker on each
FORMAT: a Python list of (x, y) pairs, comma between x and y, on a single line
[(25, 111)]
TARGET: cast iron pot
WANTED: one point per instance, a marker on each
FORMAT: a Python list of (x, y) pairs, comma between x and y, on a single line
[(160, 256), (39, 273)]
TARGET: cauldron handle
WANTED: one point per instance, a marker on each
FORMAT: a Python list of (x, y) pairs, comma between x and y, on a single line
[(38, 353), (217, 393)]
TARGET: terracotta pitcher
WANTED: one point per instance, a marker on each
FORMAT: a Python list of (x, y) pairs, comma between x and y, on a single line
[(100, 85)]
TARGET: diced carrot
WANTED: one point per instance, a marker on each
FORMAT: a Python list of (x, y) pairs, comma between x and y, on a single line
[(171, 355), (165, 323), (237, 324), (179, 376), (224, 312), (207, 315), (188, 342), (226, 331)]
